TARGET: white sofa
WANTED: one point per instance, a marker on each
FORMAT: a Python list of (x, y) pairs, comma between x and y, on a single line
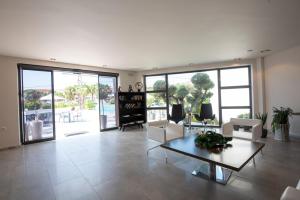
[(291, 193), (255, 134), (163, 131)]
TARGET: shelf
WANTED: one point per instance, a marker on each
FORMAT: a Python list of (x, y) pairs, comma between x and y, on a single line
[(133, 115)]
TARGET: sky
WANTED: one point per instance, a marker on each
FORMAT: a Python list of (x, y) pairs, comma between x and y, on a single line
[(42, 79)]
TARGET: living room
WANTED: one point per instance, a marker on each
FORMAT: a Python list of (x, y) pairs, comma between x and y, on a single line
[(149, 100)]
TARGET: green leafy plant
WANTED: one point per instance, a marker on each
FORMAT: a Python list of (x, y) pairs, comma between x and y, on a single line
[(90, 105), (212, 139), (244, 116), (280, 116), (263, 117)]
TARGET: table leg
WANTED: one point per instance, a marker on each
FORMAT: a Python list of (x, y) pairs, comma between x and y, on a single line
[(213, 172)]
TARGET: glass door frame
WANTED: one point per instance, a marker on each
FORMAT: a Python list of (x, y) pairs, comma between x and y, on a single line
[(23, 66), (116, 101), (21, 103)]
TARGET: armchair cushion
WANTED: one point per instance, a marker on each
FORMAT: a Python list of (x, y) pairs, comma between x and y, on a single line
[(256, 125), (290, 193), (174, 131), (162, 131), (156, 134)]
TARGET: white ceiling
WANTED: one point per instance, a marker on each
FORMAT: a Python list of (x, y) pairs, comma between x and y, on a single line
[(143, 34)]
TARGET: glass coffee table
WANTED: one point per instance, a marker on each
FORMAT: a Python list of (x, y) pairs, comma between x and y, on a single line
[(219, 162)]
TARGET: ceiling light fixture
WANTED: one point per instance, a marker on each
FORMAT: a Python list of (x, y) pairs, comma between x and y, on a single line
[(52, 59), (250, 50), (265, 51)]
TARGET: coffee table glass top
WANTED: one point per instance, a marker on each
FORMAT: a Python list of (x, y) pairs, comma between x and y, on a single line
[(233, 158)]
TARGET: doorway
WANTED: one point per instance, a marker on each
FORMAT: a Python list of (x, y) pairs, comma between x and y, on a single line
[(76, 103), (59, 102), (107, 98)]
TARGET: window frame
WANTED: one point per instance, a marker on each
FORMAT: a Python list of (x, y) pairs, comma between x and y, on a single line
[(220, 88), (157, 91), (248, 86)]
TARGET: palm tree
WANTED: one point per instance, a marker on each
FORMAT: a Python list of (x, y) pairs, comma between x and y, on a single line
[(70, 93), (91, 90)]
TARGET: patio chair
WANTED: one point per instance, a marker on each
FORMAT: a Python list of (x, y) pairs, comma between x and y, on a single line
[(177, 113), (206, 113)]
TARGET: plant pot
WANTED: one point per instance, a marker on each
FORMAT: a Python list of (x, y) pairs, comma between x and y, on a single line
[(236, 127), (264, 133), (282, 133), (103, 121)]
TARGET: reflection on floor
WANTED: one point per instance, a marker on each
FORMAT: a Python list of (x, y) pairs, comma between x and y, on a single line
[(113, 165)]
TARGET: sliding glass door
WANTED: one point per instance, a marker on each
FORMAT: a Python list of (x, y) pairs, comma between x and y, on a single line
[(107, 99), (68, 102), (36, 103)]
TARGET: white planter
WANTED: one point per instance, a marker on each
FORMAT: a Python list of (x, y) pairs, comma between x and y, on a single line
[(282, 133), (36, 129), (103, 121)]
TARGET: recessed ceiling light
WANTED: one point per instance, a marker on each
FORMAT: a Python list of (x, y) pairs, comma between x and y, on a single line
[(52, 59), (265, 50)]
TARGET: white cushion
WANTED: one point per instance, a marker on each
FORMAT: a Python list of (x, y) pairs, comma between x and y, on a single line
[(242, 135), (290, 193), (245, 122), (174, 131), (160, 124)]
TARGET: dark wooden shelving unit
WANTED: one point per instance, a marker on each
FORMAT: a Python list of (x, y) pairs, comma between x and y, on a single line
[(132, 109)]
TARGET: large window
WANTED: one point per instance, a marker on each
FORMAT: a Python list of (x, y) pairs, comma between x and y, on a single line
[(228, 90), (156, 96), (236, 95), (193, 89)]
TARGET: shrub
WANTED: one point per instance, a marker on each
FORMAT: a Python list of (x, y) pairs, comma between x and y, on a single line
[(90, 105)]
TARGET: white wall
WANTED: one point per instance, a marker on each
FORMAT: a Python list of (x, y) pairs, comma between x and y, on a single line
[(282, 84), (9, 111)]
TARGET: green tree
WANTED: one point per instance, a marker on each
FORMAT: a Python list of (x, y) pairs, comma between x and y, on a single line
[(201, 92), (32, 99), (159, 85), (91, 90), (104, 92), (178, 93), (70, 93), (33, 95), (194, 95)]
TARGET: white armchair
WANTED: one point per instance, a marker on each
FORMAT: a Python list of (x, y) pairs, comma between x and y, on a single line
[(162, 132), (291, 193), (255, 134)]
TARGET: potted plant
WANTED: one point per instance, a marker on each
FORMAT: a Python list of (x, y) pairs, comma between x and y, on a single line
[(280, 123), (105, 91), (263, 117)]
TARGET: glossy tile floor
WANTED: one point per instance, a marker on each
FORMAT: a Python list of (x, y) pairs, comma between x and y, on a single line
[(113, 166)]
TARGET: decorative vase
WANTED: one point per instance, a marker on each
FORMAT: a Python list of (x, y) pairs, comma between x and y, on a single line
[(36, 129), (264, 133), (103, 121), (282, 133)]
